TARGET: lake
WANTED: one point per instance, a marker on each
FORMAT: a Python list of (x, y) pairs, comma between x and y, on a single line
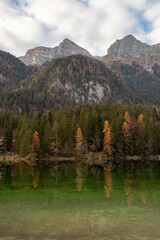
[(72, 200)]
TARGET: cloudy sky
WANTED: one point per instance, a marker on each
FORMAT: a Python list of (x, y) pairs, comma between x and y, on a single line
[(92, 24)]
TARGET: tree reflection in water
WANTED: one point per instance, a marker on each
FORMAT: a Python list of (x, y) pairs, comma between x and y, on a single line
[(79, 178), (35, 178), (108, 179)]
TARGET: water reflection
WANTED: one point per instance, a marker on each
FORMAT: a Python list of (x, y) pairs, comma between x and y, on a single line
[(143, 198), (108, 179), (79, 178), (36, 178), (43, 201)]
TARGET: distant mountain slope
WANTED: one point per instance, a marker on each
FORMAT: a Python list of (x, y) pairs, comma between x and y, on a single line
[(82, 78), (66, 82), (72, 80), (40, 55), (129, 49), (140, 80), (156, 70), (12, 71)]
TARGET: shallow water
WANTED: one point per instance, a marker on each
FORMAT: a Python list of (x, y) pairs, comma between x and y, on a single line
[(117, 200)]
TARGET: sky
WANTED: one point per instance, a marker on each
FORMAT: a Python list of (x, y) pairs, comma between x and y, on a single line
[(92, 24)]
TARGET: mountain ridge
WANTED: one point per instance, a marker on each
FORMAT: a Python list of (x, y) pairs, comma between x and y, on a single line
[(75, 79), (39, 55), (72, 80), (12, 70), (129, 50)]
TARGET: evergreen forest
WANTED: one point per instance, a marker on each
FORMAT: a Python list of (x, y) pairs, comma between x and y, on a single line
[(114, 130)]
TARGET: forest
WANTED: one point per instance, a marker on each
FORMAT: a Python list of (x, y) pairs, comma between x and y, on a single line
[(115, 130), (67, 81)]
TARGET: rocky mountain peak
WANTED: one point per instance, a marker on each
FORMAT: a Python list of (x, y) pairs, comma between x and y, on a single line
[(67, 43), (68, 48), (128, 50), (130, 37), (40, 55), (66, 40), (128, 46)]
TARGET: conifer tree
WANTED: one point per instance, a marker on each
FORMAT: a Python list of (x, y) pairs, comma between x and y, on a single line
[(24, 147), (47, 139), (126, 129), (140, 119), (107, 138), (127, 118), (36, 142), (55, 134), (24, 136), (72, 131), (7, 133), (79, 141)]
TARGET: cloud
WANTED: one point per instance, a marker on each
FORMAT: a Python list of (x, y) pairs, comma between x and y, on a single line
[(93, 24), (151, 15)]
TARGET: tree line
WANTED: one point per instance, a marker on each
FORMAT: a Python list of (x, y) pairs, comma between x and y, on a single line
[(117, 130)]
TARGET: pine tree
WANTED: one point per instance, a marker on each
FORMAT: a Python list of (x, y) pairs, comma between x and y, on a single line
[(47, 139), (8, 132), (24, 147), (55, 145), (24, 136)]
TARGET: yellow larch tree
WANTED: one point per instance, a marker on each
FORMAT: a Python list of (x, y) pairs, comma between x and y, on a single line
[(36, 141), (141, 135), (79, 141), (140, 119), (107, 138), (127, 117), (127, 134)]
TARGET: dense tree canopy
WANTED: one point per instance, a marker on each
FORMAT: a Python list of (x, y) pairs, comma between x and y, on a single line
[(129, 130)]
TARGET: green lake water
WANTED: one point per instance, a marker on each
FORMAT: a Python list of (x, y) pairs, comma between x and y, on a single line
[(113, 201)]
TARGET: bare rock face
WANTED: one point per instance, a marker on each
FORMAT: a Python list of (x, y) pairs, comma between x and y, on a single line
[(129, 46), (40, 55), (129, 50)]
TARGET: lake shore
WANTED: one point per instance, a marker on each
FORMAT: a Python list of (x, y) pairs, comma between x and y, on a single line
[(10, 158), (87, 158)]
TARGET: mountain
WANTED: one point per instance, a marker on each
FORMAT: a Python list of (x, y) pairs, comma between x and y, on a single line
[(139, 79), (77, 79), (129, 50), (67, 81), (40, 55), (80, 77), (119, 77), (12, 71)]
